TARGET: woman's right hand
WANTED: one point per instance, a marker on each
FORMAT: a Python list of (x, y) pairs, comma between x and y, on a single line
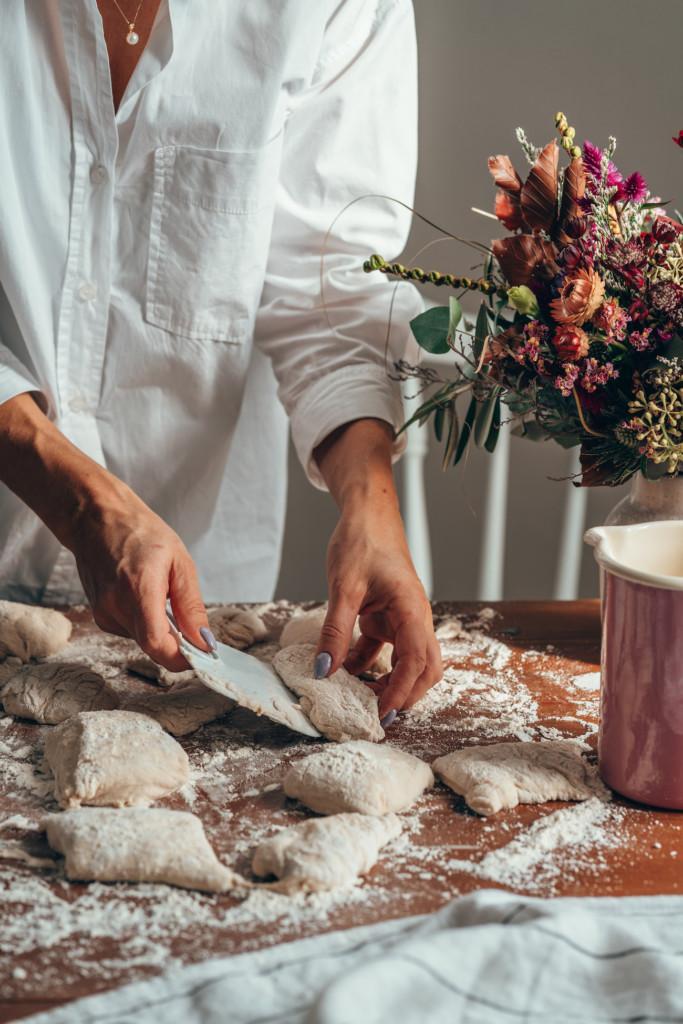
[(128, 559), (130, 562)]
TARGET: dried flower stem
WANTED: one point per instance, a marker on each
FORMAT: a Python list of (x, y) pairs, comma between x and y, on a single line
[(481, 284)]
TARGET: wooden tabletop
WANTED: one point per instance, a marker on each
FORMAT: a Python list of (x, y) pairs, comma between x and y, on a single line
[(523, 671)]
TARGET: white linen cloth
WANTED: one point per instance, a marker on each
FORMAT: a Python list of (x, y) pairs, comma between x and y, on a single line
[(154, 262), (488, 958)]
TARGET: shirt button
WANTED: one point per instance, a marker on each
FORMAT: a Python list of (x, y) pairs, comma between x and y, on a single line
[(87, 291), (79, 403), (98, 174)]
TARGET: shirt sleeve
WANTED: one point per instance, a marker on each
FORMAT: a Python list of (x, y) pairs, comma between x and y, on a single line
[(333, 332), (15, 379)]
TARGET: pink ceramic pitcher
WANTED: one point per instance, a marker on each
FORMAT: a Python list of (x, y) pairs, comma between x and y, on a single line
[(640, 745)]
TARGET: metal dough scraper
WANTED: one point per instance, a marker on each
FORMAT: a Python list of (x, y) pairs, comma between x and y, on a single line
[(248, 681)]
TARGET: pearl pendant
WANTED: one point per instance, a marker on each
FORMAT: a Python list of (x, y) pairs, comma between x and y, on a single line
[(132, 38)]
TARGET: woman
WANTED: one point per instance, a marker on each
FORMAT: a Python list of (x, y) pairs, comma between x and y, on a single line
[(170, 170)]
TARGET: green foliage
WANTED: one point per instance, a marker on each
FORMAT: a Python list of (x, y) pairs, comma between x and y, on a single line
[(431, 330)]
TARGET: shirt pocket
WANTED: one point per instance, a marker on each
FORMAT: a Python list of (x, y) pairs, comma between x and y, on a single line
[(212, 213)]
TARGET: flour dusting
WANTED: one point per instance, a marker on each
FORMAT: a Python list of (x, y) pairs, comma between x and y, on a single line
[(59, 935)]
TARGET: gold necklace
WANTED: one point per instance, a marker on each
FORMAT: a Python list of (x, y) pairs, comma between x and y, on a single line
[(132, 38)]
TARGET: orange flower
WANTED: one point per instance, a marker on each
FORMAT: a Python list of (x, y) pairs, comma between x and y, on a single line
[(581, 296), (571, 343)]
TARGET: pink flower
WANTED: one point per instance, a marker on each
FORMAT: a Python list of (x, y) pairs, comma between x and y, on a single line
[(640, 340), (612, 319), (633, 190), (595, 375), (678, 139), (565, 383)]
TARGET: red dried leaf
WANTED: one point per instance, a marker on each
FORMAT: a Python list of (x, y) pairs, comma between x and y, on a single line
[(573, 190), (508, 210), (504, 174), (594, 473), (519, 255), (539, 191)]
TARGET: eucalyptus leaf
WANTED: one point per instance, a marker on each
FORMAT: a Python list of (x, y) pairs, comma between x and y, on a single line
[(484, 420), (466, 431), (439, 417), (431, 328), (567, 440), (494, 432), (481, 331), (452, 436), (530, 430), (454, 316)]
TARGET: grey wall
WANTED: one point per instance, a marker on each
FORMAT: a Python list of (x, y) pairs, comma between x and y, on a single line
[(486, 66)]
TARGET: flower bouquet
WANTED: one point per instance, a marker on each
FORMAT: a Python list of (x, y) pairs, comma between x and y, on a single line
[(579, 336)]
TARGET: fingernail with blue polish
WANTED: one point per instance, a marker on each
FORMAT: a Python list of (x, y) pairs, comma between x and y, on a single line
[(208, 638), (323, 664), (389, 718)]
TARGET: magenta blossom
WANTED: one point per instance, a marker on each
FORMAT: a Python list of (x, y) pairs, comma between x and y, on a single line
[(633, 190), (678, 139), (595, 376), (640, 340), (592, 161), (565, 383)]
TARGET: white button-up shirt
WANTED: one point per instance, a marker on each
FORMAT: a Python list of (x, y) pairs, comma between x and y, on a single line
[(158, 263)]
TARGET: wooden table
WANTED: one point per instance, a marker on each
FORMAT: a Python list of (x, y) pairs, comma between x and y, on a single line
[(529, 693)]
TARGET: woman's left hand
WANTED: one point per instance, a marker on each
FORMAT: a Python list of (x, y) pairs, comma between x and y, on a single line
[(371, 575)]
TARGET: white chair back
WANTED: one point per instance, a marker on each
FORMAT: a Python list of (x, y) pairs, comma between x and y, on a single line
[(492, 559)]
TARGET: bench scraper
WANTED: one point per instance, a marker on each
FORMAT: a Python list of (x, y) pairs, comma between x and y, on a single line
[(251, 683)]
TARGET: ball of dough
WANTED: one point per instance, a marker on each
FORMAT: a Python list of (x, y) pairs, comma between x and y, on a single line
[(341, 707), (502, 775), (183, 709), (28, 631), (358, 776), (135, 845), (237, 627), (148, 669), (53, 691), (305, 629), (113, 759), (324, 853)]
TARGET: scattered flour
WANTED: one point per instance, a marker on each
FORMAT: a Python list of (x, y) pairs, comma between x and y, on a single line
[(588, 681), (57, 933), (557, 845)]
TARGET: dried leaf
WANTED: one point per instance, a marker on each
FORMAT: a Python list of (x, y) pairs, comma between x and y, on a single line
[(504, 174), (519, 255), (594, 473), (539, 192), (573, 190), (508, 210)]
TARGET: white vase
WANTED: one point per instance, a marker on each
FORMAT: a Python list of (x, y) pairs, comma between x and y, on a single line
[(649, 500)]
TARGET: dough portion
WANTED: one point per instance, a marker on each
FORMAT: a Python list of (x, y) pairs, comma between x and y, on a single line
[(305, 629), (502, 775), (28, 631), (148, 669), (113, 759), (237, 627), (53, 691), (341, 706), (183, 709), (324, 853), (358, 776), (136, 845)]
